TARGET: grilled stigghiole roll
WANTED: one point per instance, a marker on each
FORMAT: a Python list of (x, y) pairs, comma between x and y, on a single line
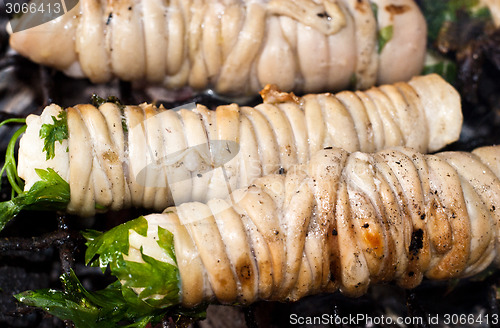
[(234, 46), (343, 221), (151, 157)]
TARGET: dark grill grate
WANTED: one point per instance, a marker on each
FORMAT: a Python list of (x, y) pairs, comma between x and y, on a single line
[(37, 247)]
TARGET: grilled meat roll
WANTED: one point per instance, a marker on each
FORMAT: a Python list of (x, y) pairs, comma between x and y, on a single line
[(151, 157), (343, 221), (234, 46)]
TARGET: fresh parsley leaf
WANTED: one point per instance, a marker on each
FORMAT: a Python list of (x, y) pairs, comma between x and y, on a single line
[(374, 7), (100, 207), (102, 309), (98, 101), (57, 131), (446, 68), (145, 292), (166, 241), (109, 246), (384, 36), (153, 277), (50, 193)]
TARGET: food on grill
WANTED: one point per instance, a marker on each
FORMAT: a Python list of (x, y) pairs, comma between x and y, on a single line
[(236, 46), (343, 221), (116, 156)]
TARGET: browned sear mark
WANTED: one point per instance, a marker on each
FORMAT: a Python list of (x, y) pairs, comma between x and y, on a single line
[(272, 95), (361, 6), (110, 156), (397, 10)]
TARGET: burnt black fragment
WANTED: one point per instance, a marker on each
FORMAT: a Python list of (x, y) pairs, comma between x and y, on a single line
[(417, 242)]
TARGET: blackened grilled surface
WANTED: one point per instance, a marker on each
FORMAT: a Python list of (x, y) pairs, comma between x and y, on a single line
[(474, 45), (36, 248)]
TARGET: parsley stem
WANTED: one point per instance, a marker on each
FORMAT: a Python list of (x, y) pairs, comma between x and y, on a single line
[(13, 120), (10, 162)]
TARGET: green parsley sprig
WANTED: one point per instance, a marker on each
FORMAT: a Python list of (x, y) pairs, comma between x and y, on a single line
[(57, 131), (119, 303), (50, 193)]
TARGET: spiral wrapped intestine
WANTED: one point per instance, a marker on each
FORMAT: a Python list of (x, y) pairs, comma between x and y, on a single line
[(145, 156), (234, 46), (343, 221)]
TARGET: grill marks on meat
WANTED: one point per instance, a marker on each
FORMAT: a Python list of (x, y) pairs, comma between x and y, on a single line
[(176, 156), (343, 221), (235, 46)]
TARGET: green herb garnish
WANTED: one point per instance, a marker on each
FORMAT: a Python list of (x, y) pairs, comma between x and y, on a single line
[(10, 167), (57, 131), (374, 7), (106, 248), (124, 124), (438, 12), (446, 68), (353, 81), (100, 207), (98, 101), (156, 277), (384, 36), (50, 193), (144, 292), (107, 308)]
